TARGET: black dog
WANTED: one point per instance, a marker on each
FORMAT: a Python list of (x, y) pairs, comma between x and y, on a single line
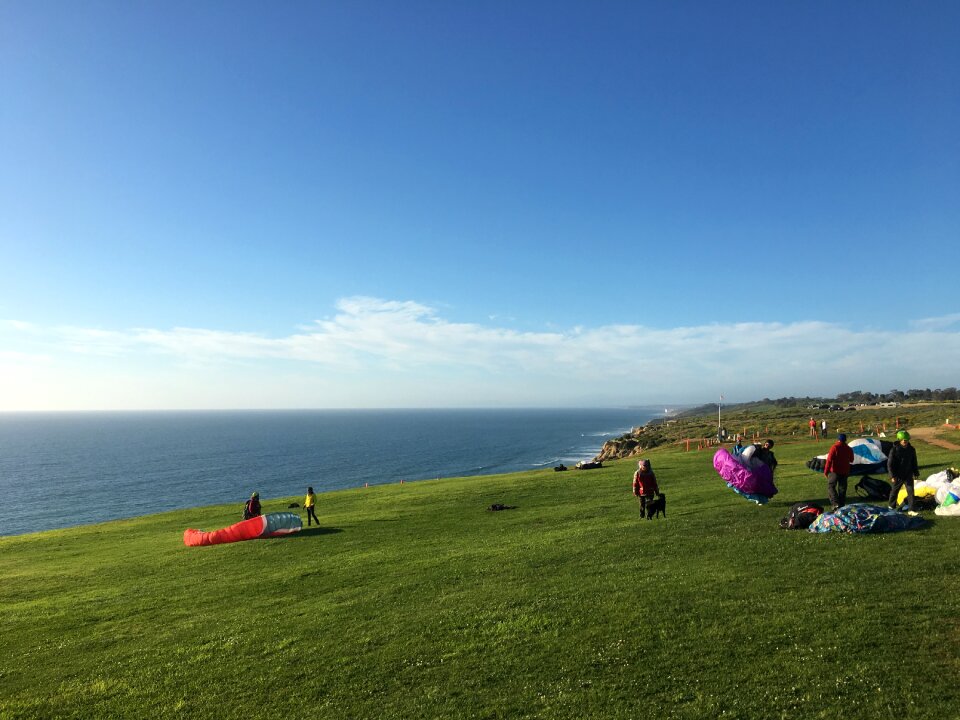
[(655, 507), (292, 505)]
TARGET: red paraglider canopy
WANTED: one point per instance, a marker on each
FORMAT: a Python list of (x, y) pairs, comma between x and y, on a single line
[(263, 526)]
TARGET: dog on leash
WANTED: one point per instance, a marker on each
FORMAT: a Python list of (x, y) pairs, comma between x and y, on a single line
[(656, 507)]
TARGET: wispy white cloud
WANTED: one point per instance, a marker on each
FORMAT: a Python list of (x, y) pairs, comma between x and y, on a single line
[(935, 324), (373, 351)]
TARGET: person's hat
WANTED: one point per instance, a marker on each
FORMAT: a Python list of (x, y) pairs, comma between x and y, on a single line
[(256, 494), (842, 437), (903, 435)]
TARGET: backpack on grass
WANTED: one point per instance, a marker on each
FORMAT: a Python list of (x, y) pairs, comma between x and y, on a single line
[(801, 516), (873, 488)]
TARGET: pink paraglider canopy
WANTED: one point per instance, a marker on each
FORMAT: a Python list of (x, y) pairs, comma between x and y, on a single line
[(748, 477)]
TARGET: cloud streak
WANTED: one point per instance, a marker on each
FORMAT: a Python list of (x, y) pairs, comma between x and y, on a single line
[(411, 354)]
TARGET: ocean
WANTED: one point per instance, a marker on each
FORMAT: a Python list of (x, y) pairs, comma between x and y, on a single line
[(64, 469)]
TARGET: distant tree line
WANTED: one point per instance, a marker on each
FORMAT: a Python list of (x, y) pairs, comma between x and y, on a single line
[(858, 397)]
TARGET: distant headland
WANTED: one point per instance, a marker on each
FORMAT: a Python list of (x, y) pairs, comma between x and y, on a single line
[(856, 413)]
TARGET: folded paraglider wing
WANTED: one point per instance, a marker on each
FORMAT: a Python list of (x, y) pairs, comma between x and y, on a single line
[(263, 526)]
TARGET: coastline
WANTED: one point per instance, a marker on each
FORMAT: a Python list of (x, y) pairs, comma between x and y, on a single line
[(68, 470)]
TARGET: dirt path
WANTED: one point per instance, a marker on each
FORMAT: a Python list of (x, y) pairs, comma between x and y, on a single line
[(928, 435)]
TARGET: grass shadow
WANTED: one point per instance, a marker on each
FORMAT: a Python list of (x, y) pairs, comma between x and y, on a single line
[(928, 524), (319, 531)]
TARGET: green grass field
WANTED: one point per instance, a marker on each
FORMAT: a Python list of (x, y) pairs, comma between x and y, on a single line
[(414, 601)]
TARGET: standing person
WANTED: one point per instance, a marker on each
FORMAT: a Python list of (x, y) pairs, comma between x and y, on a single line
[(252, 508), (644, 484), (813, 427), (310, 502), (903, 469), (823, 427), (837, 470), (764, 454)]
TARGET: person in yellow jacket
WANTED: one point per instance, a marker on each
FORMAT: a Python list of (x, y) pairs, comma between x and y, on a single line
[(310, 502)]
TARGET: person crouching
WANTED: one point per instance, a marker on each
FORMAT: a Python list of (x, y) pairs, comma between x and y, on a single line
[(644, 485)]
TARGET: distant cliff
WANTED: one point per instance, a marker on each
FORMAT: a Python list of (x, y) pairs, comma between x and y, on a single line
[(637, 441)]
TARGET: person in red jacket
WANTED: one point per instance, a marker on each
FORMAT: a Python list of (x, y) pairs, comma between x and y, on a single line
[(644, 484), (837, 470)]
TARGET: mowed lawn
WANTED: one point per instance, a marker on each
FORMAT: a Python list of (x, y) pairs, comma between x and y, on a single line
[(414, 601)]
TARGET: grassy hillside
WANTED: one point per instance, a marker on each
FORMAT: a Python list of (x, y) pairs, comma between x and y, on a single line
[(414, 601)]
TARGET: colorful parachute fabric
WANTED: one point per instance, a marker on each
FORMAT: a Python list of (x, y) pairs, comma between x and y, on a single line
[(745, 475), (947, 484), (868, 457), (942, 488), (864, 518), (263, 526)]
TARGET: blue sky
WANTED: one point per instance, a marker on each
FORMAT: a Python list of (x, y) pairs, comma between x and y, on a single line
[(425, 204)]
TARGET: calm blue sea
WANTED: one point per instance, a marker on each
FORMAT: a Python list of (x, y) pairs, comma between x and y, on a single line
[(64, 469)]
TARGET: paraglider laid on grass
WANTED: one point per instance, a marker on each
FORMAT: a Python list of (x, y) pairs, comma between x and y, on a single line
[(942, 490), (864, 518), (262, 526), (950, 505), (746, 474), (869, 456)]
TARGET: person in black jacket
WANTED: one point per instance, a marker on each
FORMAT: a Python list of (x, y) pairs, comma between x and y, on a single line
[(765, 454), (903, 469), (252, 508)]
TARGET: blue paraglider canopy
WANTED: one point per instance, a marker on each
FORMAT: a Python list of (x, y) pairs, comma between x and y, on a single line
[(869, 456)]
